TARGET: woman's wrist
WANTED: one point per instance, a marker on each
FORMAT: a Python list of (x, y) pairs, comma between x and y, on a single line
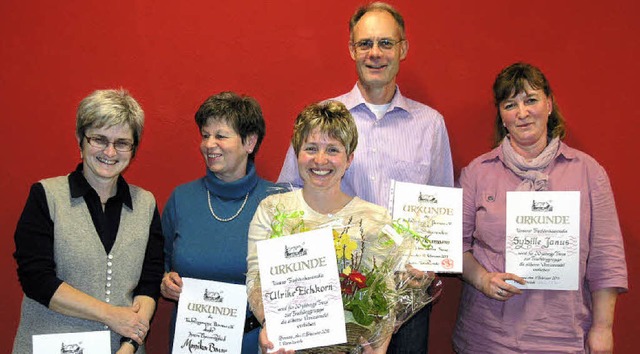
[(127, 340)]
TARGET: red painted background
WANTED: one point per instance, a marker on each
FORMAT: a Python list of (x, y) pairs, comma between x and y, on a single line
[(171, 55)]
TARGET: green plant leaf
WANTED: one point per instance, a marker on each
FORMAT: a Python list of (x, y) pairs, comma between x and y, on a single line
[(361, 317)]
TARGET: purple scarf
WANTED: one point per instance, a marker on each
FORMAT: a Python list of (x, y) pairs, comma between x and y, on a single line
[(530, 171)]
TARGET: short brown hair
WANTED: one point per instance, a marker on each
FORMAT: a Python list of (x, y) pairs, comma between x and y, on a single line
[(242, 113)]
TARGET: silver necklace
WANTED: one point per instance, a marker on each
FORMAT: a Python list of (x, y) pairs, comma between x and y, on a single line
[(234, 215)]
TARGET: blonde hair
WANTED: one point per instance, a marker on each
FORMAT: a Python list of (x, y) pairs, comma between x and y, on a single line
[(376, 6), (332, 118)]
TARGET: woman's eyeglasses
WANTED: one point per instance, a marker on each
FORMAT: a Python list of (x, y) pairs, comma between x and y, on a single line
[(102, 142)]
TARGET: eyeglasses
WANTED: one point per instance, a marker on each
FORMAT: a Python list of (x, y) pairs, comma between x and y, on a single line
[(366, 45), (102, 142)]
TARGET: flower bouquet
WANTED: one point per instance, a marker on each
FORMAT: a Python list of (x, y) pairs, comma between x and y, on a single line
[(377, 294), (367, 284)]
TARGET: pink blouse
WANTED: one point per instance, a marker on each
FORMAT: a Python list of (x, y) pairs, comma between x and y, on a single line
[(537, 320)]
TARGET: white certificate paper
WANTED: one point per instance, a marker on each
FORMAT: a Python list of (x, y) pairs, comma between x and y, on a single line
[(98, 342), (301, 290), (543, 239), (435, 214), (210, 317)]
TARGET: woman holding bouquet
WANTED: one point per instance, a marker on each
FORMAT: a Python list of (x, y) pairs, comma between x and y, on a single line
[(494, 315), (324, 140)]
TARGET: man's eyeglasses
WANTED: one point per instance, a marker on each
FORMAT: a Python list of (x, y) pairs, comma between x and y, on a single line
[(365, 45), (102, 142)]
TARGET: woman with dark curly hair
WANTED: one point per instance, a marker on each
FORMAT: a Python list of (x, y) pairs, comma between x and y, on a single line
[(206, 221)]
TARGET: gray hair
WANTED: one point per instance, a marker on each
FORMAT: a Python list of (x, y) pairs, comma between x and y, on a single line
[(107, 108)]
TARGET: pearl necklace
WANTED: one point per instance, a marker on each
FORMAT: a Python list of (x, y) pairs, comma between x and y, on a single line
[(234, 215)]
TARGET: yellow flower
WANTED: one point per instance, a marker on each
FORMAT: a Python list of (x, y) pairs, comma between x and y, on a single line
[(344, 245)]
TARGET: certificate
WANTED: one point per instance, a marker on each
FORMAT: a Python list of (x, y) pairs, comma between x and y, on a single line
[(210, 317), (434, 214), (543, 239), (301, 290), (98, 342)]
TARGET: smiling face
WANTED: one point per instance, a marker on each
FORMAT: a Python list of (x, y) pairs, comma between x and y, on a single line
[(322, 162), (223, 150), (525, 116), (105, 165), (378, 68)]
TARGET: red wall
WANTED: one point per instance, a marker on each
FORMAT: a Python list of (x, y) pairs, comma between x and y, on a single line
[(171, 55)]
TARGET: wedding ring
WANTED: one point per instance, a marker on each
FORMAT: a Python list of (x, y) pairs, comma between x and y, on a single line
[(140, 333), (500, 292)]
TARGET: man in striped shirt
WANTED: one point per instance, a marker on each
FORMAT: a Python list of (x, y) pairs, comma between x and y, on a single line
[(398, 138)]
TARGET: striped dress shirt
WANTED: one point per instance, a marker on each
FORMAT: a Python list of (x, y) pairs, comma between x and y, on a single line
[(409, 144)]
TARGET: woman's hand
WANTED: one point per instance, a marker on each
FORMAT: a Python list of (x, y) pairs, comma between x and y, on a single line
[(171, 286), (600, 337), (600, 340), (266, 346), (126, 348), (494, 285), (128, 322), (367, 348)]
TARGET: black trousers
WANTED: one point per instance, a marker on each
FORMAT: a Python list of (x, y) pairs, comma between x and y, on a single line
[(413, 336)]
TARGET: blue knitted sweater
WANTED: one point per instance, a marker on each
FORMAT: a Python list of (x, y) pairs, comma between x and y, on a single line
[(199, 246)]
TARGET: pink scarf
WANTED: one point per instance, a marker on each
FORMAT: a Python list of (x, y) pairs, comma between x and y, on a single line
[(530, 171)]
